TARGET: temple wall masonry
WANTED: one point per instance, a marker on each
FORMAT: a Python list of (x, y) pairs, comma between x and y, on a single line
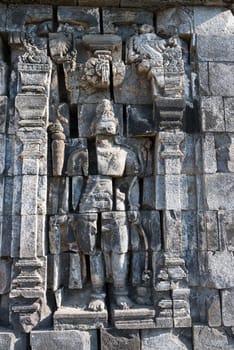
[(117, 175)]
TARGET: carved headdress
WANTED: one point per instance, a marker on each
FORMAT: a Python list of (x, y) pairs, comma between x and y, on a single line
[(105, 117)]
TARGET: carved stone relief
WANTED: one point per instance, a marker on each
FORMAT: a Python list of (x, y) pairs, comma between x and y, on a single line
[(116, 212)]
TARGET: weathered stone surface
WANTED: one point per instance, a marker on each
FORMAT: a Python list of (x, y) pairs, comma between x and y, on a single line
[(140, 121), (5, 268), (174, 20), (228, 113), (212, 113), (66, 339), (133, 130), (82, 20), (209, 155), (219, 267), (3, 113), (213, 21), (218, 191), (26, 16), (161, 340), (226, 220), (203, 78), (124, 22), (111, 340), (221, 79), (7, 339), (227, 307), (188, 20), (215, 48), (134, 89), (210, 338)]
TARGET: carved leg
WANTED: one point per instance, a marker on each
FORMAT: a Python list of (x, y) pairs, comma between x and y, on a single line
[(120, 273), (97, 302)]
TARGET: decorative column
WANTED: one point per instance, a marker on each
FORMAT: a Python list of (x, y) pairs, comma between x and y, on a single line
[(161, 61), (171, 282), (28, 289)]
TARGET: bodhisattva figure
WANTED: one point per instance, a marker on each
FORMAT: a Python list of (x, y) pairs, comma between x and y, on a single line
[(102, 226)]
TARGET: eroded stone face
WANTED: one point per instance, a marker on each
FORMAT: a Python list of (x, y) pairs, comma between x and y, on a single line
[(116, 175)]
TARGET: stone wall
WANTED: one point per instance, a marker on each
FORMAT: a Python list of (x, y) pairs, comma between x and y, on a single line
[(117, 175)]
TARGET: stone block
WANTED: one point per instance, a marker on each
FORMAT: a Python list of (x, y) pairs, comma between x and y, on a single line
[(1, 195), (212, 230), (7, 340), (224, 152), (121, 339), (70, 339), (175, 21), (188, 150), (226, 221), (149, 192), (9, 184), (214, 310), (19, 17), (6, 224), (140, 120), (159, 192), (5, 280), (58, 191), (161, 340), (135, 88), (3, 113), (219, 273), (172, 230), (29, 195), (207, 338), (229, 114), (189, 227), (215, 48), (124, 22), (187, 192), (213, 20), (221, 78), (212, 113), (85, 20), (41, 230), (219, 191), (209, 154), (172, 192), (3, 11), (75, 272), (198, 155), (9, 156), (15, 224), (76, 160), (16, 183), (228, 307), (99, 3), (28, 236), (42, 195), (203, 78)]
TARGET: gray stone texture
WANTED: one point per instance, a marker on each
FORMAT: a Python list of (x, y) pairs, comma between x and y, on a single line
[(116, 174), (63, 340)]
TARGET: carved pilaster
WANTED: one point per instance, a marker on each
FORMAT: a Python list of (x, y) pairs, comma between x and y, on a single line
[(172, 278), (28, 288)]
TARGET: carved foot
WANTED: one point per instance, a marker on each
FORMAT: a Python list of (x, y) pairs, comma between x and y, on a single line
[(124, 302), (96, 304)]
